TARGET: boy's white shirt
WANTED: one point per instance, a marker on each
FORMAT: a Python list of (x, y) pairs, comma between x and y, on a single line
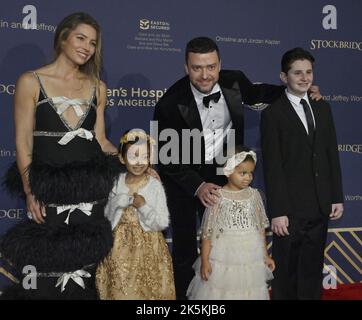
[(153, 215)]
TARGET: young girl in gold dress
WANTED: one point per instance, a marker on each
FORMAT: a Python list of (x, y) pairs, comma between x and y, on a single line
[(139, 265)]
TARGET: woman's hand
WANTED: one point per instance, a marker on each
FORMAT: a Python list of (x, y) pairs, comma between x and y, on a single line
[(153, 173), (36, 211)]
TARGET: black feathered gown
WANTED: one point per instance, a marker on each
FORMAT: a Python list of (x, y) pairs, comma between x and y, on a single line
[(73, 181)]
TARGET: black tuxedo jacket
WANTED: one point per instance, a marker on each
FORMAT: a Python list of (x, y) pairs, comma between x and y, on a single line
[(302, 178), (177, 110)]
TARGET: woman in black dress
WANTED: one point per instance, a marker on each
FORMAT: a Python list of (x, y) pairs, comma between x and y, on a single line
[(66, 169)]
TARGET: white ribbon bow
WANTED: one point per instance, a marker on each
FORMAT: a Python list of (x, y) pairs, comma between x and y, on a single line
[(63, 103), (76, 276), (235, 160), (85, 207), (81, 132)]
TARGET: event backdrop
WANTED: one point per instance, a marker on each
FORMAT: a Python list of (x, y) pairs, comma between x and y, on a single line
[(143, 46)]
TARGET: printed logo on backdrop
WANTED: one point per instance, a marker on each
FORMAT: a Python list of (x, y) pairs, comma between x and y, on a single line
[(247, 41), (8, 89), (12, 214), (316, 44), (354, 197), (133, 97), (29, 21), (5, 153), (340, 98), (144, 24), (329, 22), (153, 34), (353, 149)]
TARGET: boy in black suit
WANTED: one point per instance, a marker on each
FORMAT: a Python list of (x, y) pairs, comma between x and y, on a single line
[(303, 179)]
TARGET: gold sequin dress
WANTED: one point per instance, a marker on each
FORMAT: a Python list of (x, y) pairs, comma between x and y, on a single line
[(139, 265)]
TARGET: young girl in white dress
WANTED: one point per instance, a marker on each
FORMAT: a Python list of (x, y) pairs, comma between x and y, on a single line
[(234, 263)]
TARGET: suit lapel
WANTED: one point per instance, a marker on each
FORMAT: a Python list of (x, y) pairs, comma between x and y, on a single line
[(234, 103), (189, 111)]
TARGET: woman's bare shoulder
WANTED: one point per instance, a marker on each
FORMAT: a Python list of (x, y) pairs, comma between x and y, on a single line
[(27, 82), (30, 77)]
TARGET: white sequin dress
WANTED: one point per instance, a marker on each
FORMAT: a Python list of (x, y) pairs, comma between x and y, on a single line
[(234, 228)]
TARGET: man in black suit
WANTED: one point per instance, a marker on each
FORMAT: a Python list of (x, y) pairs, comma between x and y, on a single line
[(209, 101), (302, 177)]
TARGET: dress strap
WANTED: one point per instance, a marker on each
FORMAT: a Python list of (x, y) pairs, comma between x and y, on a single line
[(91, 100), (41, 86)]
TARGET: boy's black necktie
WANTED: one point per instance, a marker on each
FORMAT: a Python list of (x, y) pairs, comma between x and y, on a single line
[(309, 117)]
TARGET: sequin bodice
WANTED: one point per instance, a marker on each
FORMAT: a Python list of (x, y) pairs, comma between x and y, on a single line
[(236, 211)]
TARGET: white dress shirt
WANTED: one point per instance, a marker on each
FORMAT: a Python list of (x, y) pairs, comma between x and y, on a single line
[(216, 121), (298, 107)]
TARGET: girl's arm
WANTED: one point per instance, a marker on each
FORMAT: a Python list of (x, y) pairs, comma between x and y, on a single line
[(154, 214), (263, 223), (99, 127), (115, 206), (267, 259), (205, 268), (118, 200), (24, 116), (207, 228)]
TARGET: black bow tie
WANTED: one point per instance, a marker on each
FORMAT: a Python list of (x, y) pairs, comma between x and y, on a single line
[(215, 97)]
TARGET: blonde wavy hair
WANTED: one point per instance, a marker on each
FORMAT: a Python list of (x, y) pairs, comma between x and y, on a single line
[(93, 66)]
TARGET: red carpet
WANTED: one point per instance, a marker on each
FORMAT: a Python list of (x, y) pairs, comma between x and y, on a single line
[(344, 292)]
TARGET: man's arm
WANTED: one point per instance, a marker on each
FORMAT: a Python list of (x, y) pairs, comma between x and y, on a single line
[(257, 93), (265, 93), (205, 268)]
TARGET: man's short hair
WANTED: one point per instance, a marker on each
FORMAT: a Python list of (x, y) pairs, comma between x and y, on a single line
[(201, 45)]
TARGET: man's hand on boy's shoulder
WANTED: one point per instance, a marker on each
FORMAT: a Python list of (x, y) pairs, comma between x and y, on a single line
[(315, 93)]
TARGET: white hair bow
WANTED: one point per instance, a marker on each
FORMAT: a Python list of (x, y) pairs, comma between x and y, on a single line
[(235, 160)]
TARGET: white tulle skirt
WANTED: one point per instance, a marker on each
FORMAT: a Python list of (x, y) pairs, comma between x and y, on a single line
[(238, 269)]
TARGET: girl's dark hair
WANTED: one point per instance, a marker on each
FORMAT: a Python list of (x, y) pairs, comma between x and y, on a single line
[(131, 137)]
